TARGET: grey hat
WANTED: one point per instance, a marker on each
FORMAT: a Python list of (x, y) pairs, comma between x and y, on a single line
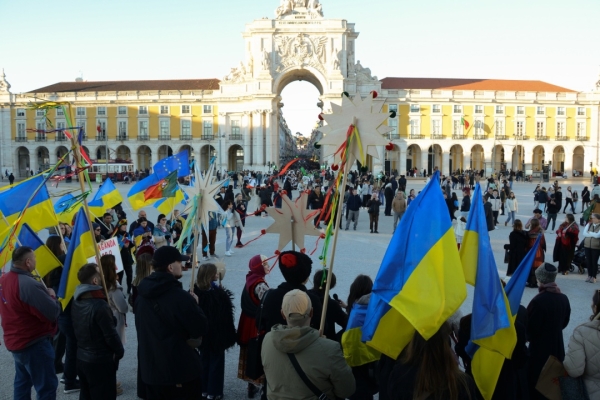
[(546, 273)]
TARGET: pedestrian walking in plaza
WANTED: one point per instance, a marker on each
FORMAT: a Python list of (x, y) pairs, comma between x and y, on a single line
[(575, 201), (231, 220), (548, 314), (211, 240), (567, 237), (489, 214), (353, 206), (585, 198), (465, 203), (241, 207), (536, 230), (459, 226), (399, 208), (591, 244), (581, 360), (254, 290), (373, 210), (518, 246), (216, 303), (389, 198), (496, 203), (543, 198), (537, 214), (99, 347), (511, 207), (553, 209), (125, 245), (569, 200), (11, 178), (29, 312)]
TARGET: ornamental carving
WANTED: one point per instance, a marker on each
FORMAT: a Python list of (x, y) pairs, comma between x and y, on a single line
[(311, 9), (300, 51)]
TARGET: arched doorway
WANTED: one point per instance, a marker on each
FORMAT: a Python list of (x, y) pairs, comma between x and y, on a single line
[(413, 157), (578, 157), (518, 158), (123, 153), (434, 158), (537, 160), (60, 152), (456, 158), (164, 151), (477, 158), (236, 158), (87, 151), (558, 159), (23, 162), (206, 153), (43, 158), (498, 163), (101, 153), (144, 158)]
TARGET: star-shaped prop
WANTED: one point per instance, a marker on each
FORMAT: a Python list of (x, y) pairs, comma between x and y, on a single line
[(369, 129), (292, 221)]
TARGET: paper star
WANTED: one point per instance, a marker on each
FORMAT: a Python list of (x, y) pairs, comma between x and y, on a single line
[(368, 123), (291, 221), (203, 193)]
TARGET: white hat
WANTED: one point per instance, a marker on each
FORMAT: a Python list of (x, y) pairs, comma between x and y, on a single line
[(296, 306)]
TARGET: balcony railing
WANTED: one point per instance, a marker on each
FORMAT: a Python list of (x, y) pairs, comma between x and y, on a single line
[(480, 136), (236, 136), (501, 137), (582, 138), (459, 137), (122, 137), (41, 138), (394, 136), (437, 136), (561, 138), (100, 138), (143, 137), (413, 136), (21, 139), (164, 137), (186, 136), (208, 137), (541, 137)]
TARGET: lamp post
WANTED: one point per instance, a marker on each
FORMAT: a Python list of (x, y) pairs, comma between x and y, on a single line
[(220, 154)]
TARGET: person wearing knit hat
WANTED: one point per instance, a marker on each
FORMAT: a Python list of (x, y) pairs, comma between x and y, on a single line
[(295, 266), (548, 314)]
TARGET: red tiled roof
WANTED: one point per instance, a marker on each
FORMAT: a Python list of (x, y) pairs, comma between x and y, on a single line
[(471, 84), (120, 86)]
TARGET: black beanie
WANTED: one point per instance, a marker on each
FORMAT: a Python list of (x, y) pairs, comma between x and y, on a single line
[(295, 266)]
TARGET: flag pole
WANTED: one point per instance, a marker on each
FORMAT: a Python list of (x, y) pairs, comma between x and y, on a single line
[(338, 219), (195, 253)]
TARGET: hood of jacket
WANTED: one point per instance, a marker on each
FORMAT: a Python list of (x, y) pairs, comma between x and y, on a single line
[(156, 284), (293, 339), (85, 288)]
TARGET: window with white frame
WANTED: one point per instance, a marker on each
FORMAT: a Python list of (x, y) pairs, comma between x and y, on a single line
[(478, 127), (41, 128), (436, 127), (415, 108), (580, 111), (457, 128), (539, 129), (436, 109), (143, 129), (414, 127), (164, 110), (80, 123), (540, 110), (122, 110), (80, 111), (207, 128), (20, 112), (60, 128), (393, 107), (164, 127), (499, 109), (206, 109), (520, 110), (40, 113), (580, 129), (560, 129), (21, 129), (60, 112), (101, 110), (101, 128), (122, 129), (393, 123), (457, 109), (143, 110), (478, 109), (499, 127), (560, 111), (185, 109), (235, 127), (186, 127), (520, 128)]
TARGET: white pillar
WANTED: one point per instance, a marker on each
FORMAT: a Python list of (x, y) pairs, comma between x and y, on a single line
[(466, 161), (246, 129), (424, 160), (270, 130), (258, 138), (445, 168), (402, 161)]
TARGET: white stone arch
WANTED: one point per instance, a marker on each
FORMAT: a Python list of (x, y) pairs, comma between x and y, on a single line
[(413, 157), (235, 158), (578, 159), (42, 155), (123, 153), (538, 157), (456, 158), (60, 151), (144, 157), (477, 158), (292, 74), (100, 152), (23, 162)]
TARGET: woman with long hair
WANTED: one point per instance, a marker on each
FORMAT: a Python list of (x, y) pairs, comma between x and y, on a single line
[(591, 245), (512, 207), (216, 303), (427, 369), (362, 285), (161, 233), (581, 357), (252, 295), (231, 220), (585, 198), (567, 236), (518, 247), (143, 268), (116, 298), (535, 230), (241, 207), (125, 245), (335, 308)]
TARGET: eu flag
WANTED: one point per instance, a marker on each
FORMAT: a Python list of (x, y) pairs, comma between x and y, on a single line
[(178, 162)]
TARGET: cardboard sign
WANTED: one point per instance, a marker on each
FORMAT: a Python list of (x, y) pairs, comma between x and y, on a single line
[(110, 246)]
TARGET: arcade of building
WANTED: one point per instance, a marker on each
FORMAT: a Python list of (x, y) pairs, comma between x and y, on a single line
[(450, 123)]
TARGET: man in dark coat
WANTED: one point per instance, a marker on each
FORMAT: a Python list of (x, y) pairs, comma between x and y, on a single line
[(548, 313), (388, 192), (316, 201), (489, 214), (169, 325), (135, 224)]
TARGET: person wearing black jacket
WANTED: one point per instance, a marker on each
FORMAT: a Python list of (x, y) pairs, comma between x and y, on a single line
[(353, 207), (553, 208), (265, 195), (315, 202), (169, 326), (335, 313), (135, 224), (99, 347)]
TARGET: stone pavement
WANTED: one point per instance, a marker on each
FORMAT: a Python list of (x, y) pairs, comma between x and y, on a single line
[(358, 252)]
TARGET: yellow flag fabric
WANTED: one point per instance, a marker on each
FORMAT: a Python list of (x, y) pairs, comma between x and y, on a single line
[(39, 214)]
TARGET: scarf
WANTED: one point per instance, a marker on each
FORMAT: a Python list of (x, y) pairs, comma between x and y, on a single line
[(256, 273), (551, 287)]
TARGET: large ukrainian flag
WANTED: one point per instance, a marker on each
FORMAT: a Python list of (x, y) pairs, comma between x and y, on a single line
[(493, 335), (80, 249), (39, 213), (420, 283), (46, 261), (66, 208), (106, 197), (356, 352)]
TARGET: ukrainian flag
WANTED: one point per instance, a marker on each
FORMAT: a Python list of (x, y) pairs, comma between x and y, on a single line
[(66, 207), (356, 352), (168, 204), (136, 194), (107, 197), (46, 260), (493, 335), (80, 249), (420, 283), (39, 213)]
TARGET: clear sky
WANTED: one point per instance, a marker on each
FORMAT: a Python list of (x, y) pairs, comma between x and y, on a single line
[(44, 42)]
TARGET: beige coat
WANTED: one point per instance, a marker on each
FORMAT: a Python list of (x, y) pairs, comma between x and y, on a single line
[(583, 356), (399, 203)]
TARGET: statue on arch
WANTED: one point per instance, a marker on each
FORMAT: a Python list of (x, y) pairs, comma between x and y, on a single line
[(286, 7), (266, 60), (314, 8)]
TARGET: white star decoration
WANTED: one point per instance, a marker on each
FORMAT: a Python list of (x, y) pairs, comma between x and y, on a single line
[(368, 123), (203, 192), (290, 221)]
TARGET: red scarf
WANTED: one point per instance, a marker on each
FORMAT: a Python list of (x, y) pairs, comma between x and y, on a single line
[(256, 273)]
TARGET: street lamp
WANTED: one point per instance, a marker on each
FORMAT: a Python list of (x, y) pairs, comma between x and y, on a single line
[(219, 136)]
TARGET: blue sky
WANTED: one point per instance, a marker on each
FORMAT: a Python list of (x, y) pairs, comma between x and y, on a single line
[(552, 40)]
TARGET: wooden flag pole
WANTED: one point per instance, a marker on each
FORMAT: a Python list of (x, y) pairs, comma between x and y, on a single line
[(197, 232)]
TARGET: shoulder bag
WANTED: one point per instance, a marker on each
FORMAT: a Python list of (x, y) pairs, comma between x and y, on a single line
[(254, 367), (317, 392)]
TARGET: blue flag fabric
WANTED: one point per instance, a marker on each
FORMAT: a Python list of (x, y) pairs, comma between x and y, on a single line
[(178, 162), (516, 285)]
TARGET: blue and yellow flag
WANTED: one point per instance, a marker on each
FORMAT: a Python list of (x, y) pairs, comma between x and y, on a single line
[(356, 352), (80, 249), (66, 208), (136, 193), (493, 335), (420, 283), (516, 285), (106, 197), (178, 162), (168, 204), (46, 261), (39, 214)]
